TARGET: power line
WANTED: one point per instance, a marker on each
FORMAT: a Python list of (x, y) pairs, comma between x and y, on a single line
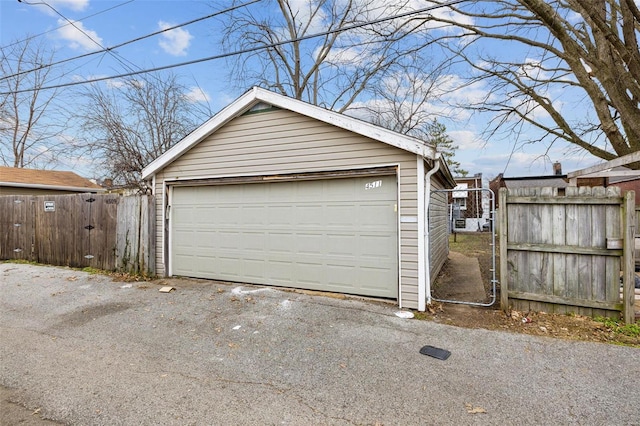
[(115, 55), (110, 49), (62, 26), (244, 51)]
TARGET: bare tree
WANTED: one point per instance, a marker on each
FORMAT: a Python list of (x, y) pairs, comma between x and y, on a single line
[(32, 120), (543, 60), (131, 122), (331, 70), (403, 103)]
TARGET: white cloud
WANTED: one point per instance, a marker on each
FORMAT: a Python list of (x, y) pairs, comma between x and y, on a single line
[(78, 36), (348, 57), (302, 12), (383, 8), (467, 140), (196, 94), (52, 6), (114, 84), (174, 42), (76, 5), (455, 90)]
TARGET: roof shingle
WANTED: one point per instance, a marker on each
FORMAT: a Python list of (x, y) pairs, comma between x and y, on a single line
[(53, 178)]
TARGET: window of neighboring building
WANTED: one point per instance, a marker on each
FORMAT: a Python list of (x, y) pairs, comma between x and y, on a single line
[(461, 203)]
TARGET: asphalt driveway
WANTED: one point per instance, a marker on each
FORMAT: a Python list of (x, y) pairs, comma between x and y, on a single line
[(83, 349)]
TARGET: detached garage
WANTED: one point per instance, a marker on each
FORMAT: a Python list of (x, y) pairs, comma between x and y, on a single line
[(275, 191)]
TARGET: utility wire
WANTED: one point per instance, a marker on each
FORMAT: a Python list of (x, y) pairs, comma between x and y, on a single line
[(244, 51), (109, 49), (62, 26), (115, 55)]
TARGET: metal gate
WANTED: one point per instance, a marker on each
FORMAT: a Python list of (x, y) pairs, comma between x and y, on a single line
[(468, 275)]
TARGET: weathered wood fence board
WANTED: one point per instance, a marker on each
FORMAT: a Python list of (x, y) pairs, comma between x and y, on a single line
[(104, 231), (135, 231), (567, 253), (15, 235)]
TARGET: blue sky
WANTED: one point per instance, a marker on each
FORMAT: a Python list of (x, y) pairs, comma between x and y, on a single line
[(130, 19)]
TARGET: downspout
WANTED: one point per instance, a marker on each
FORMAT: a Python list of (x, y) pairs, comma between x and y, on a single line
[(427, 199)]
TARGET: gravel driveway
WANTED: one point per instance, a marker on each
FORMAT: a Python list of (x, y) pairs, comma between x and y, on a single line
[(83, 349)]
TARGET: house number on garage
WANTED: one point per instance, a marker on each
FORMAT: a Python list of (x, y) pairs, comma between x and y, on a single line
[(372, 185)]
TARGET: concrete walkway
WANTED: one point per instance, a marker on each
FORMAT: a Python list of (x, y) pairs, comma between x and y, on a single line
[(84, 350), (462, 280)]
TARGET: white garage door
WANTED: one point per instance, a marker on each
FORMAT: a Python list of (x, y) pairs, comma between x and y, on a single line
[(335, 235)]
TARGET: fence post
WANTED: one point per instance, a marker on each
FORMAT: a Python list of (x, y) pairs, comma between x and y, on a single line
[(503, 219), (628, 257)]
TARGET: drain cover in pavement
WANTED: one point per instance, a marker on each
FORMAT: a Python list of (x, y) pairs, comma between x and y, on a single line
[(435, 352)]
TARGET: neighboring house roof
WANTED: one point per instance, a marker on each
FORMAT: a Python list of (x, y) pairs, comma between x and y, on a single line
[(46, 179), (257, 96), (557, 181)]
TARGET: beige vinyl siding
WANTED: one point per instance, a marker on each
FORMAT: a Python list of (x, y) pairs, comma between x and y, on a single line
[(409, 237), (438, 229), (282, 142)]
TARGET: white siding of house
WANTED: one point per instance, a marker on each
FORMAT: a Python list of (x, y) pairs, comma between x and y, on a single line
[(438, 228), (281, 142)]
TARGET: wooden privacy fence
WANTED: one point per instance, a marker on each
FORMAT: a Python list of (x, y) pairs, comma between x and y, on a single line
[(105, 231), (567, 253)]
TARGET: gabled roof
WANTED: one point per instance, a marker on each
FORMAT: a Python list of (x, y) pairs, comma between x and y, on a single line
[(257, 95), (46, 179)]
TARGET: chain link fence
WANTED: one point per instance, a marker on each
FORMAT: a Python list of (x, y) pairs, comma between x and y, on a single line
[(468, 276)]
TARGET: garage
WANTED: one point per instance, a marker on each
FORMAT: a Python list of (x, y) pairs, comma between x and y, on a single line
[(275, 191), (337, 235)]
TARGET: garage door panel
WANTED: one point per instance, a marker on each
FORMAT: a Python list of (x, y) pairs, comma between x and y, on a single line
[(228, 265), (374, 246), (251, 214), (340, 245), (281, 243), (310, 244), (220, 215), (187, 263), (373, 216), (280, 215), (254, 242), (342, 278), (307, 216), (183, 215), (332, 235), (341, 216), (280, 271), (224, 240)]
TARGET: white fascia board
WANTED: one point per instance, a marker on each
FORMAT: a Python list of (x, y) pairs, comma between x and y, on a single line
[(51, 187), (255, 95)]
